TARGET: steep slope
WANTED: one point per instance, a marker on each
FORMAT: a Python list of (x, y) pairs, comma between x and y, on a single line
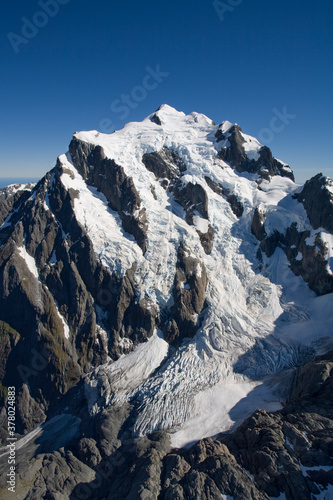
[(158, 275)]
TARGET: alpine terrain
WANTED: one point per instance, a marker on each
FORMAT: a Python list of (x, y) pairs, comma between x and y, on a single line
[(166, 316)]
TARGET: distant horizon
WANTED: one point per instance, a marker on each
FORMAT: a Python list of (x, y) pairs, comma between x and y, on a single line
[(8, 181)]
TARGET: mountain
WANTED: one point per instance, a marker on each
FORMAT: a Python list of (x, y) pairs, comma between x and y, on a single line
[(157, 287)]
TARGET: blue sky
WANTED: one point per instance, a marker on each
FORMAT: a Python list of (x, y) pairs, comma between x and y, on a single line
[(246, 61)]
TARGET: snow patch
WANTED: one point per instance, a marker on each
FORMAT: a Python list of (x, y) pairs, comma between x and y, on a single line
[(252, 147), (62, 319), (223, 407), (29, 260), (201, 224)]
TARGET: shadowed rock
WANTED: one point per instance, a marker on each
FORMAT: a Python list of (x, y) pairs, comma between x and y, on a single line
[(189, 294), (317, 198), (235, 155)]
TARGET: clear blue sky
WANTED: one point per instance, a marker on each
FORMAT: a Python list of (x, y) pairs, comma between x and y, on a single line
[(239, 66)]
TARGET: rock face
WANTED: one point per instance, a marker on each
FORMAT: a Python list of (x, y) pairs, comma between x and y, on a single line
[(10, 203), (165, 164), (168, 168), (317, 198), (50, 272), (234, 154), (189, 296), (306, 253)]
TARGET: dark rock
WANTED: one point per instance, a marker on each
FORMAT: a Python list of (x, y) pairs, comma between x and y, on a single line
[(235, 156), (88, 452), (193, 198), (312, 265), (108, 424), (308, 261), (73, 285), (236, 206), (207, 239), (259, 460), (8, 341), (165, 164), (10, 202), (314, 380), (318, 202), (257, 226), (53, 476), (189, 294), (155, 119), (206, 471), (29, 413), (133, 319)]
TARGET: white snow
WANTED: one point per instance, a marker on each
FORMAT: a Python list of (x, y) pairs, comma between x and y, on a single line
[(62, 319), (201, 224), (224, 407), (289, 443), (121, 377), (280, 497), (325, 494), (31, 264), (53, 259), (252, 147), (226, 125), (29, 260), (299, 256), (328, 185), (304, 469), (327, 238)]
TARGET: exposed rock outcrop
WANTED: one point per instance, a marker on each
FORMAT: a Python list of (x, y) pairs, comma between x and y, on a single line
[(168, 168), (307, 256), (235, 155), (189, 295), (50, 273), (165, 164), (317, 198)]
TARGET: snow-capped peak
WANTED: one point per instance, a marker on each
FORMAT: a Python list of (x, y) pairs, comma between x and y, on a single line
[(161, 217)]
